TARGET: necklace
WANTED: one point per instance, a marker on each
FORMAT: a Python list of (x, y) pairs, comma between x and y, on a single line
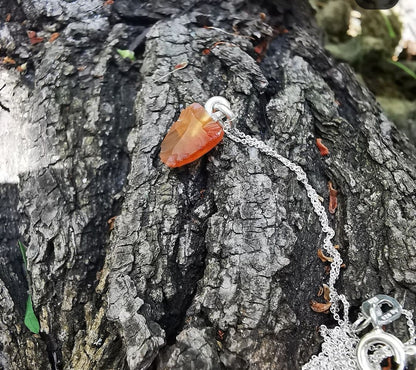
[(196, 132)]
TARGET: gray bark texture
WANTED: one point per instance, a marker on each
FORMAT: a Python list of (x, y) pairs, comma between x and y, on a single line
[(211, 265)]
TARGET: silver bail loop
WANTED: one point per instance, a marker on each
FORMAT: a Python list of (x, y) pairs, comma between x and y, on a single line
[(219, 108)]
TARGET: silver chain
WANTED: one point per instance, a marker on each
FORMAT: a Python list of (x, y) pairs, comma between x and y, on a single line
[(410, 325), (239, 137), (340, 343), (338, 349)]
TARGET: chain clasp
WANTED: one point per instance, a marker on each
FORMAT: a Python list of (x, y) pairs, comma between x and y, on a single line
[(379, 310)]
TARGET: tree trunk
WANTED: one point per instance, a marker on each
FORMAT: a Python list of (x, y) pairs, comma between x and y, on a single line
[(132, 265)]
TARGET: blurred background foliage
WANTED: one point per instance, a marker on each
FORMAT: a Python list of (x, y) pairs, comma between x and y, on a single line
[(371, 42)]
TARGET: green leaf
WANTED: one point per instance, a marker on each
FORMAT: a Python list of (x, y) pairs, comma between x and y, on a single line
[(23, 251), (403, 68), (389, 26), (127, 54), (31, 321)]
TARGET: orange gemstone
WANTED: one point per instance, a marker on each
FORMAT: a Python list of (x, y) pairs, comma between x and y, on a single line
[(190, 137)]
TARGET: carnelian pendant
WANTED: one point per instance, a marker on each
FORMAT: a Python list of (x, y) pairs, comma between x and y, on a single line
[(190, 137)]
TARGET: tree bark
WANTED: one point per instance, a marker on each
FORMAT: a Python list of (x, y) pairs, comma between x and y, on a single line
[(134, 265)]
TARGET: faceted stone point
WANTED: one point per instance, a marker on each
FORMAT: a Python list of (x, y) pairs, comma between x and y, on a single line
[(190, 137)]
